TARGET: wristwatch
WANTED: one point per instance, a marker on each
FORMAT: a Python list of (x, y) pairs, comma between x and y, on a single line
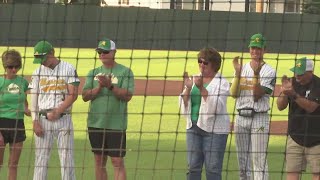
[(295, 96), (111, 87)]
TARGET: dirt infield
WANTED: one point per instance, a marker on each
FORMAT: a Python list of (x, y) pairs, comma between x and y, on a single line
[(174, 88), (159, 87), (279, 128)]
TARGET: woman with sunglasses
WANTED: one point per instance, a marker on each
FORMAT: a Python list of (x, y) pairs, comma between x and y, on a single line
[(13, 106), (203, 103)]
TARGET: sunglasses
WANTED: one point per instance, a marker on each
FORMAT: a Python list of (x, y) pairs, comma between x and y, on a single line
[(103, 52), (15, 67), (203, 62), (40, 56)]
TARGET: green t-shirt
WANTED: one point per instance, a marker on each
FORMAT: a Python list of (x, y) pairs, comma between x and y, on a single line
[(195, 103), (12, 97), (107, 111)]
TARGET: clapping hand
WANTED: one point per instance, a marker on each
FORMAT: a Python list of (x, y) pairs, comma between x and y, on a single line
[(286, 86), (105, 81), (187, 80), (198, 81), (237, 65)]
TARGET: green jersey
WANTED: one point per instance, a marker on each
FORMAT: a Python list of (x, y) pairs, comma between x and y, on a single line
[(106, 110), (12, 97)]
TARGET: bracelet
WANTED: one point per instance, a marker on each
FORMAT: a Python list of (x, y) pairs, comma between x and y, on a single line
[(111, 87), (281, 94)]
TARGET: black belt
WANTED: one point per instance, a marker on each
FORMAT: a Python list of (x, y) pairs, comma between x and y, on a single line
[(45, 112), (248, 112)]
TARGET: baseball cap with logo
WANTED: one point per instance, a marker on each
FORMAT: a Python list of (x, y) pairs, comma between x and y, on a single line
[(257, 40), (106, 45), (302, 65), (41, 49)]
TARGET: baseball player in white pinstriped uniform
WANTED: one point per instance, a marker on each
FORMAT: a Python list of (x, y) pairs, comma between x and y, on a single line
[(252, 86), (54, 88)]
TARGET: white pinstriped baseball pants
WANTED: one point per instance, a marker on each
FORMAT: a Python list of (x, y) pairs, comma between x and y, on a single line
[(252, 137), (62, 130)]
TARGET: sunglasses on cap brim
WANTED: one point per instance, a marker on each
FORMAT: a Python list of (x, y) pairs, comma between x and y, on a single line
[(40, 56), (103, 52)]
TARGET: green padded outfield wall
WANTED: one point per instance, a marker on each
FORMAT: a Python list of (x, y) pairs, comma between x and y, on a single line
[(144, 28)]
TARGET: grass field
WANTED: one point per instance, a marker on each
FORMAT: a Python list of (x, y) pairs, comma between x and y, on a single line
[(156, 133)]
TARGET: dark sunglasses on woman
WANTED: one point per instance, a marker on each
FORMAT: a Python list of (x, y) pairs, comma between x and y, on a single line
[(203, 62)]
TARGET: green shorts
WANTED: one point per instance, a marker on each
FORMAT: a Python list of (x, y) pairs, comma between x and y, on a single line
[(298, 157)]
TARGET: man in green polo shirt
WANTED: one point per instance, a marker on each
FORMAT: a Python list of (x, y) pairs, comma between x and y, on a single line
[(108, 88)]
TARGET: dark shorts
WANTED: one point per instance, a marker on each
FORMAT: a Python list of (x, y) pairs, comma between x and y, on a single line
[(108, 142), (12, 130)]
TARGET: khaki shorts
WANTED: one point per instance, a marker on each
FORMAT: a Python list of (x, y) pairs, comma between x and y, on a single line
[(298, 157)]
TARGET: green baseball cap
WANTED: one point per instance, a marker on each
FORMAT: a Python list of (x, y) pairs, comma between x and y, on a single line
[(257, 40), (41, 49), (106, 45), (302, 65)]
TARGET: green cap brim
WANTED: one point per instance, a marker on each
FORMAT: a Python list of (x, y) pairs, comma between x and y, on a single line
[(102, 49), (297, 71), (259, 45), (39, 60)]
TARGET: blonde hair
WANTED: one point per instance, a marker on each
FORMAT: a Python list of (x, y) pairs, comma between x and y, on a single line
[(11, 58)]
